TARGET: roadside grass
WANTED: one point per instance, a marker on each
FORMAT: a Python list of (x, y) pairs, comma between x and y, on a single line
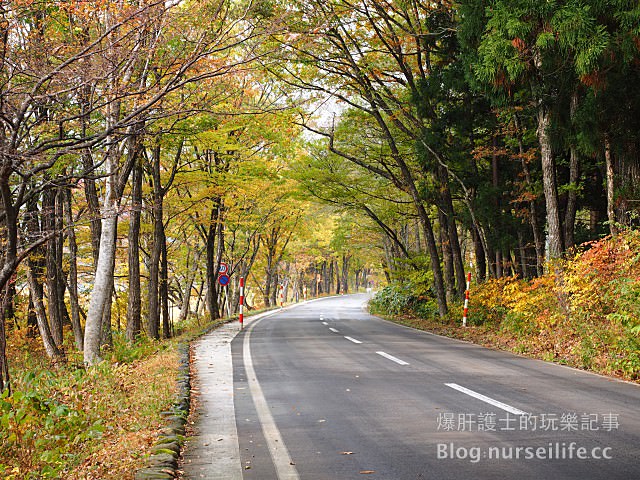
[(64, 421)]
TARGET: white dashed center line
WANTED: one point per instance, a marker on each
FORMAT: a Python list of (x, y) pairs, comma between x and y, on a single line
[(352, 340), (392, 358), (334, 330), (484, 398)]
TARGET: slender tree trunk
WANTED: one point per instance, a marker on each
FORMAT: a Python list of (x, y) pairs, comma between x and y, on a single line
[(186, 299), (611, 186), (93, 202), (345, 273), (153, 283), (164, 289), (523, 255), (9, 302), (447, 257), (37, 297), (495, 174), (452, 232), (106, 337), (78, 332), (572, 195), (199, 300), (533, 214), (5, 379), (275, 290), (103, 282), (554, 231), (316, 280), (481, 261), (435, 260), (212, 262), (499, 271), (134, 305), (326, 280), (220, 232), (52, 269)]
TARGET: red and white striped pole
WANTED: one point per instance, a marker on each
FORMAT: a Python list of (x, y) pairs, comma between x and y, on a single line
[(241, 317), (281, 296), (466, 301)]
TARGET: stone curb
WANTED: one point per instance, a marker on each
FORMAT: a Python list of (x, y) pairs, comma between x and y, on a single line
[(162, 463)]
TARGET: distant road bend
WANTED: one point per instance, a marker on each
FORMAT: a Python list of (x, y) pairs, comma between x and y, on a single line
[(324, 390)]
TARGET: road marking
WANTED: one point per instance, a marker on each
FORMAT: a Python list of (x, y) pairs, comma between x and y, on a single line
[(334, 330), (285, 468), (352, 340), (392, 358), (325, 323), (484, 398)]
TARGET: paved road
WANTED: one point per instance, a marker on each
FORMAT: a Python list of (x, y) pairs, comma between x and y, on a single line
[(326, 391)]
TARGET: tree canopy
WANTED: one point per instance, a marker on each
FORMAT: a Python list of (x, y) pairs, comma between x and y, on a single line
[(314, 147)]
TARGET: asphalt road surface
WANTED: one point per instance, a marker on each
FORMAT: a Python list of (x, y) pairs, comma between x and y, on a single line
[(325, 391)]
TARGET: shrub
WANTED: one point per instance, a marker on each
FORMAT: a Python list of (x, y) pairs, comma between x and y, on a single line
[(402, 298), (31, 422)]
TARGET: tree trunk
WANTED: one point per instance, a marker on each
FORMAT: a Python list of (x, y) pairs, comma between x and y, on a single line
[(186, 299), (212, 265), (164, 289), (106, 337), (9, 302), (134, 303), (5, 379), (481, 261), (275, 290), (103, 282), (345, 273), (554, 231), (78, 333), (52, 267), (37, 295), (447, 257), (610, 173), (91, 194), (499, 271), (326, 277), (452, 232), (316, 281), (533, 215), (572, 195), (523, 256), (435, 260), (153, 284)]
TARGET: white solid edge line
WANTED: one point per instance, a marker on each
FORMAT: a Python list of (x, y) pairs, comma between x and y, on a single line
[(352, 339), (484, 398), (334, 330), (392, 358), (285, 468)]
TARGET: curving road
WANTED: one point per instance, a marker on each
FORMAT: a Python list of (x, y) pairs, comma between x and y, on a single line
[(325, 391)]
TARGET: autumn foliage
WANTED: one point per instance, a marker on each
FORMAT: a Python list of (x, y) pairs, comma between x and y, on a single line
[(583, 312)]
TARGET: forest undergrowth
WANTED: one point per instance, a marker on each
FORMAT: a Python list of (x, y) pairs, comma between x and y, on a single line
[(584, 312), (66, 421)]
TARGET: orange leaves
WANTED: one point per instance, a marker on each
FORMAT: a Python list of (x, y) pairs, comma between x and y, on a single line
[(519, 44), (595, 80)]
